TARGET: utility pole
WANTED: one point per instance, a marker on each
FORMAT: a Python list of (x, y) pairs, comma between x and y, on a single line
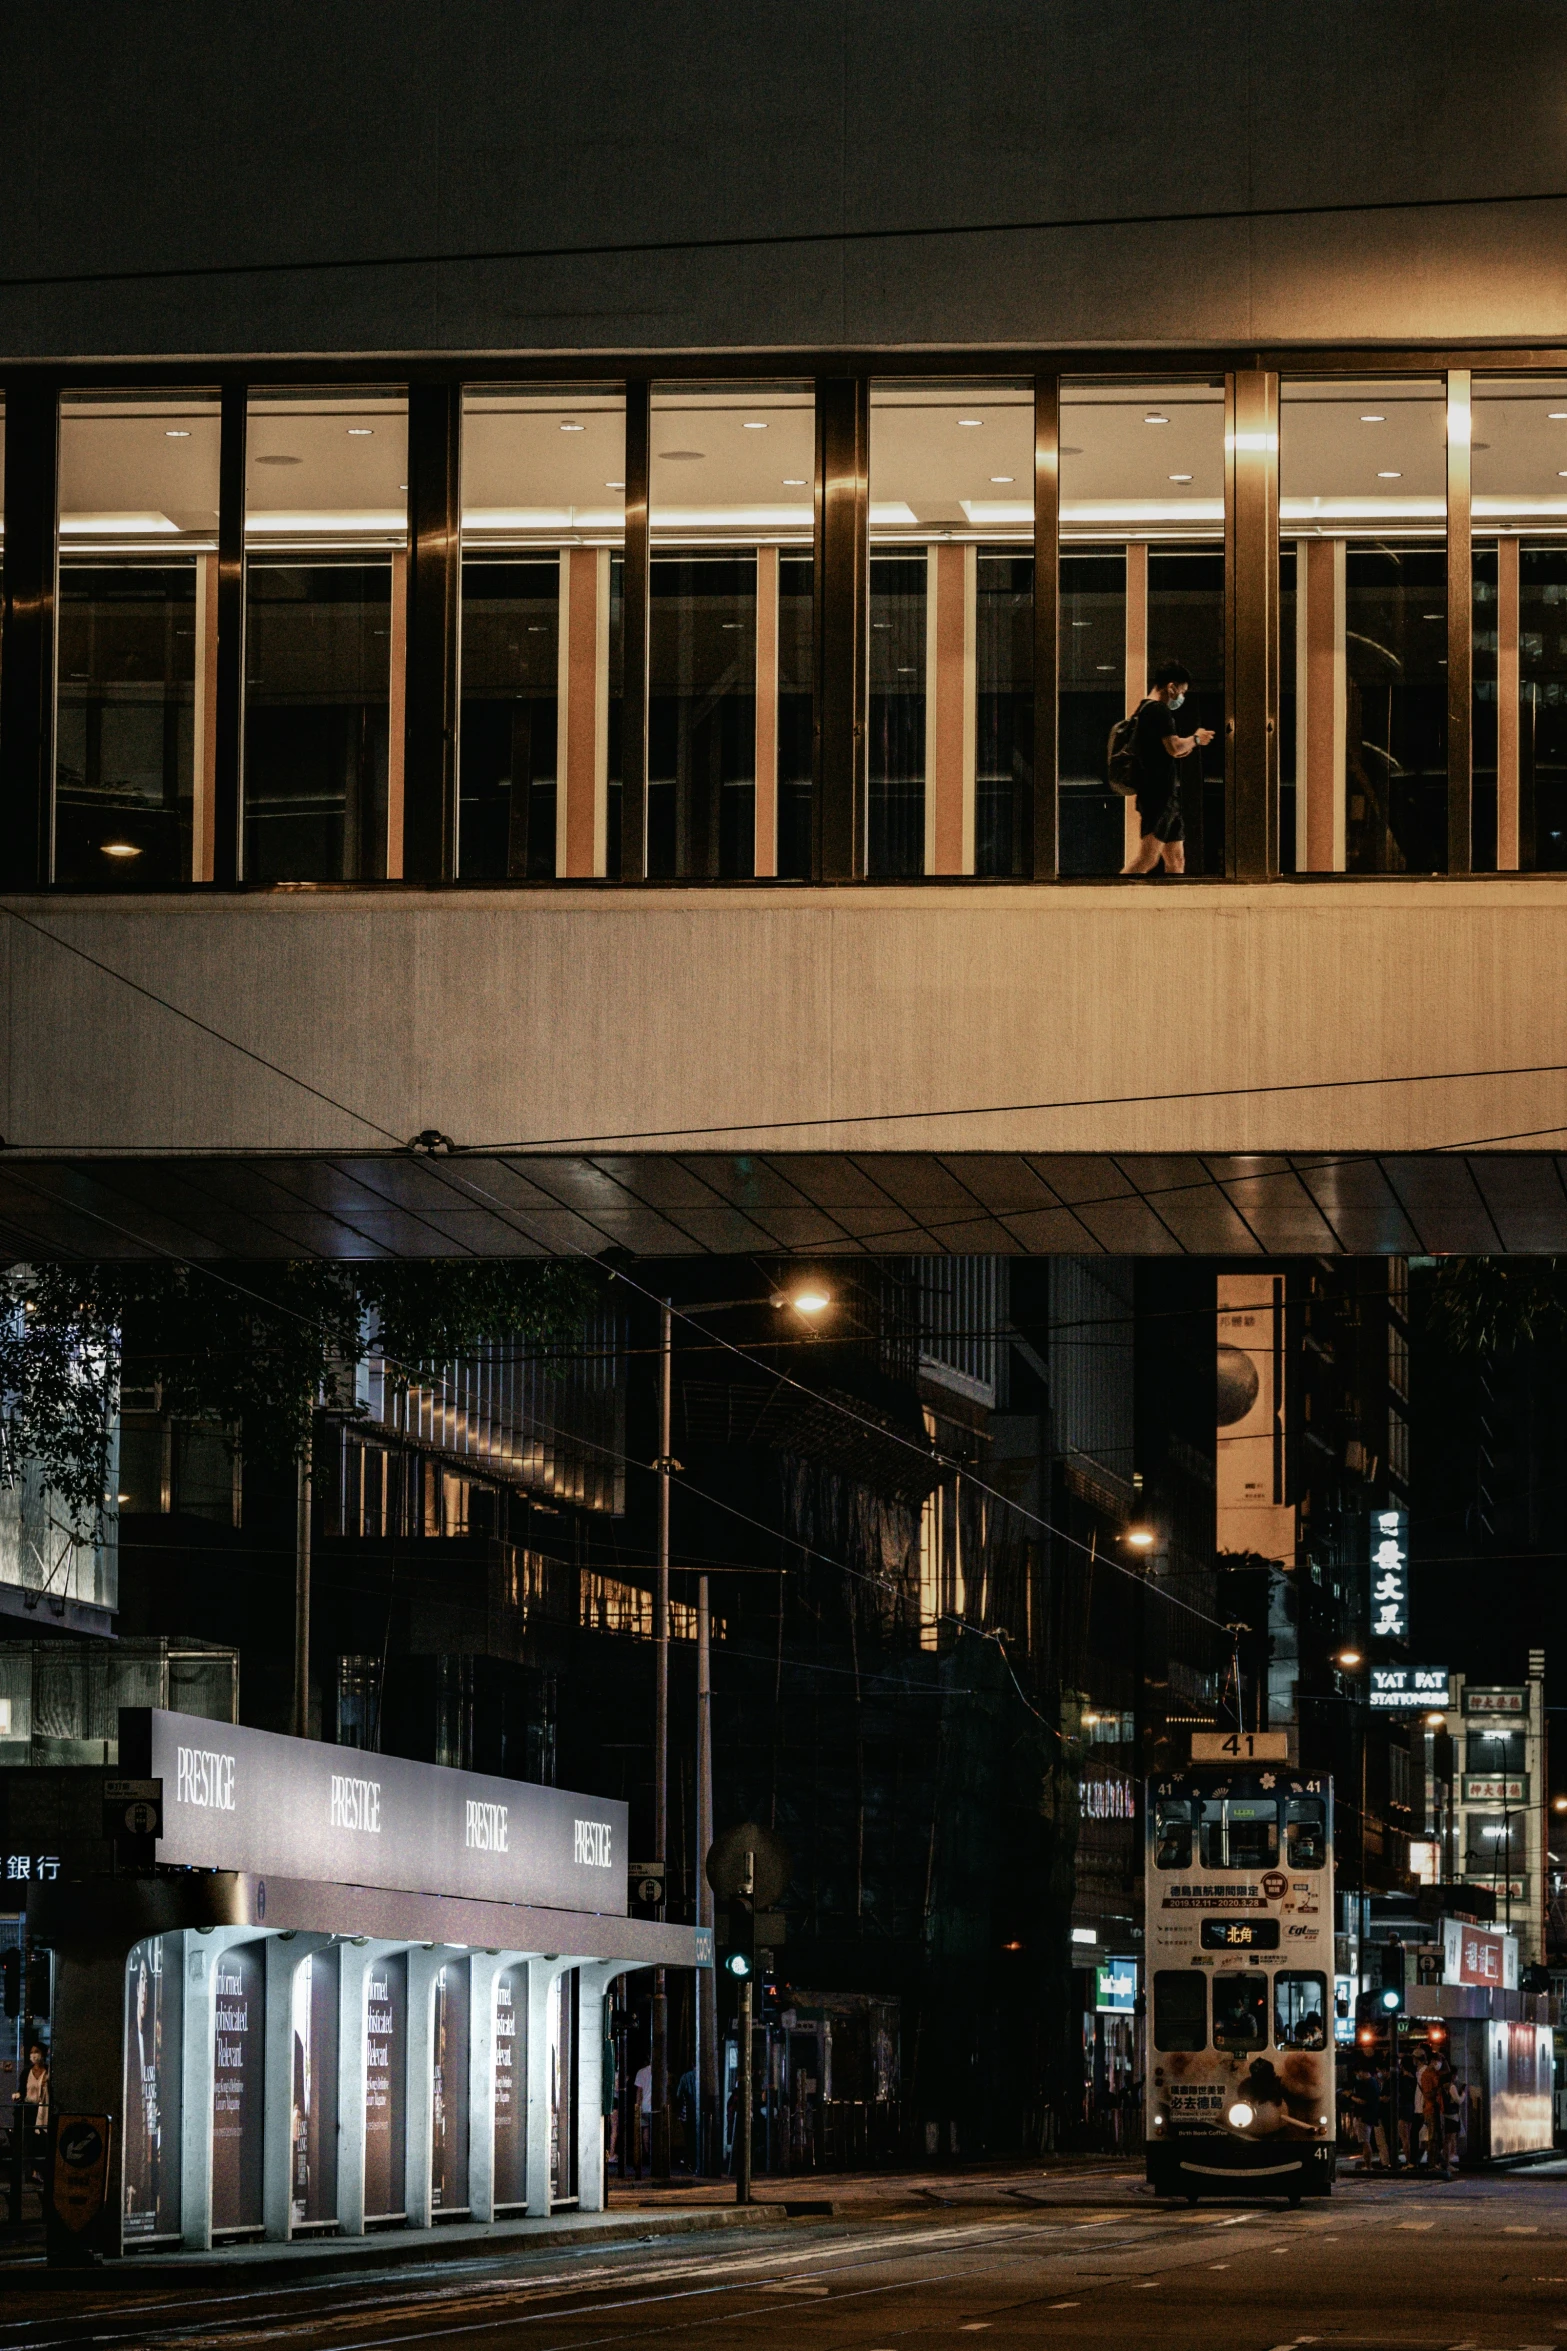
[(743, 2036), (660, 2016), (704, 1978), (302, 1592)]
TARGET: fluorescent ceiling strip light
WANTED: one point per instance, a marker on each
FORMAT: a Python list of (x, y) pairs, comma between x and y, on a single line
[(99, 526)]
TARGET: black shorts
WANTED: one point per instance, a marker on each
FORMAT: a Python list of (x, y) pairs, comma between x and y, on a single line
[(1160, 818)]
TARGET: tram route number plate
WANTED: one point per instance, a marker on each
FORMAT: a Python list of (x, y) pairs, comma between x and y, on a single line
[(133, 1808), (1240, 1747)]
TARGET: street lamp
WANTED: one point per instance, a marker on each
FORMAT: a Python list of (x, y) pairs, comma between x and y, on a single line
[(809, 1299)]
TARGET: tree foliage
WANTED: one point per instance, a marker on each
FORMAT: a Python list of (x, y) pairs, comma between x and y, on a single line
[(253, 1348), (1492, 1305)]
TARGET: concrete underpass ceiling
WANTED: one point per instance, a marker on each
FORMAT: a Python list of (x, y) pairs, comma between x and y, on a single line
[(801, 1203)]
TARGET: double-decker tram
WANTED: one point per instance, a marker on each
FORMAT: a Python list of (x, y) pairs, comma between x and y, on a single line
[(1239, 1945)]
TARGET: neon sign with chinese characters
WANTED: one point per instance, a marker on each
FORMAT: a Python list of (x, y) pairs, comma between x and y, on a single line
[(1389, 1575)]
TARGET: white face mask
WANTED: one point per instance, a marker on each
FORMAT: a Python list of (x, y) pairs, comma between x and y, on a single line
[(1175, 702)]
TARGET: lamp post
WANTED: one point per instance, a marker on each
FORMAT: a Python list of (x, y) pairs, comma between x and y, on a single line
[(1349, 1661), (807, 1299)]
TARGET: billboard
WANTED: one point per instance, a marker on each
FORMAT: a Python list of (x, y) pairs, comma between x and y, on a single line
[(1253, 1514), (1479, 1955), (293, 1808)]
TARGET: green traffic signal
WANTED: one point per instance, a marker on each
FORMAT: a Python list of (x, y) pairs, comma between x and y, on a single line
[(738, 1963)]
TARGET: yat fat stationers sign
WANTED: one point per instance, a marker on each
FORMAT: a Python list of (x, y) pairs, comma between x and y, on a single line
[(1389, 1575), (1397, 1689), (292, 1808)]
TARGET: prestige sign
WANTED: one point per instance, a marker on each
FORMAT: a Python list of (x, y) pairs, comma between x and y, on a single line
[(269, 1806)]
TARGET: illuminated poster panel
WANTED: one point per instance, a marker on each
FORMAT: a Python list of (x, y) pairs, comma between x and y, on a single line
[(386, 2038), (153, 1991), (1254, 1518), (449, 2091), (511, 2089), (239, 2045), (314, 2117)]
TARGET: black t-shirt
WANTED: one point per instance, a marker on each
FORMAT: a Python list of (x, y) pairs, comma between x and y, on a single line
[(1158, 776)]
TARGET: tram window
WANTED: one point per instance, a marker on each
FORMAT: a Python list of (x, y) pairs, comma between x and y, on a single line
[(1306, 1833), (1173, 1839), (1300, 2006), (1180, 2008), (1240, 1832), (1240, 2011)]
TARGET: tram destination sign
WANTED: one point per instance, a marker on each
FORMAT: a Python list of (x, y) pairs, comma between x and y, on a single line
[(254, 1802)]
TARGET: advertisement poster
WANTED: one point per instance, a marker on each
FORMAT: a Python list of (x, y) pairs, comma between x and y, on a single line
[(511, 2088), (386, 2031), (449, 2091), (152, 2092), (1254, 1518), (315, 2089), (238, 2105)]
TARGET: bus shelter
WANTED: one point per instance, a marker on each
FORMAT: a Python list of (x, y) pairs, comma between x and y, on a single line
[(339, 1991)]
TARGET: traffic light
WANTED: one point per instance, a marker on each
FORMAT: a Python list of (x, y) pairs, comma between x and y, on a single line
[(1392, 1993), (737, 1964), (11, 1979)]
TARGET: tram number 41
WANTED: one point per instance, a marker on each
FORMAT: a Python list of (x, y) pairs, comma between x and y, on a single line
[(1240, 1746)]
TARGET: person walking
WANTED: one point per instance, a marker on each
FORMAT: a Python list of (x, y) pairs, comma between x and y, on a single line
[(1371, 2123), (1159, 747), (1429, 2084)]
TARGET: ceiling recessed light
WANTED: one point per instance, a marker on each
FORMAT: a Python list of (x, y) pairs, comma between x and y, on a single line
[(1558, 416), (1003, 477), (753, 425), (906, 669), (1154, 417), (280, 461), (1082, 624), (175, 432), (794, 481), (1433, 616), (573, 428), (361, 432), (1104, 665), (402, 485), (968, 422), (120, 849), (1372, 419), (1390, 477), (614, 485), (1180, 477), (682, 456)]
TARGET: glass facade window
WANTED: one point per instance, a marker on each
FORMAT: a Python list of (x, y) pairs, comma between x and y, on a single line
[(136, 640), (543, 508), (1519, 459), (950, 755), (1363, 512), (730, 669), (326, 604), (1142, 583)]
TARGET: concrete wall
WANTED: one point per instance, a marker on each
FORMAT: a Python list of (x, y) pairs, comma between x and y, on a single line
[(290, 174), (580, 1016)]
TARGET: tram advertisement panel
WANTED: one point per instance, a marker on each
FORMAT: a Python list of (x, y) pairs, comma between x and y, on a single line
[(1240, 1957)]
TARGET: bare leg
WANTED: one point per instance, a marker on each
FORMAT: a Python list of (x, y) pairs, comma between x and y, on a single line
[(1175, 856), (1149, 851)]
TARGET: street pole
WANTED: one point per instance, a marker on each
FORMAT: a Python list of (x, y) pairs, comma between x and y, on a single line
[(302, 1594), (743, 2156), (705, 1979), (660, 2018)]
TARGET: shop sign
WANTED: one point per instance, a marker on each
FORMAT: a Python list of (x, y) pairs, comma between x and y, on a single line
[(1495, 1701), (1389, 1575), (1479, 1955), (1404, 1688), (1109, 1798), (1495, 1791), (1115, 1987), (252, 1801)]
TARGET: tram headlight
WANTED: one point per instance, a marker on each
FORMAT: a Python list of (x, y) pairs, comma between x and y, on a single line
[(1240, 2116)]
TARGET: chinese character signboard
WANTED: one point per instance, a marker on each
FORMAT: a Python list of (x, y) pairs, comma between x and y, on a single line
[(1478, 1955), (1115, 1991), (1389, 1619), (1495, 1701)]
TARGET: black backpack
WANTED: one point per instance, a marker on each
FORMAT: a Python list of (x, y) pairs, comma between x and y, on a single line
[(1121, 754)]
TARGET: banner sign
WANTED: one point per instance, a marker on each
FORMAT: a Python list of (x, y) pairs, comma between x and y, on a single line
[(271, 1806)]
